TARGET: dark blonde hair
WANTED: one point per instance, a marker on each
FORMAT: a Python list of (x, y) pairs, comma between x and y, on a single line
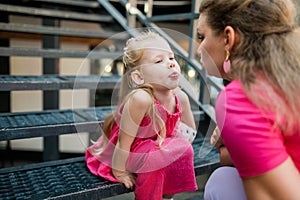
[(267, 55), (133, 52)]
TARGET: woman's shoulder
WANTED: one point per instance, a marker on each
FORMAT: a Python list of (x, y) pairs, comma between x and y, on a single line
[(233, 100), (233, 92), (234, 85)]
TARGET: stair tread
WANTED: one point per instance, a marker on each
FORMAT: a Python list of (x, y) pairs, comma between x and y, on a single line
[(70, 178), (56, 82), (87, 4), (47, 30), (54, 122), (51, 122), (58, 53), (43, 12)]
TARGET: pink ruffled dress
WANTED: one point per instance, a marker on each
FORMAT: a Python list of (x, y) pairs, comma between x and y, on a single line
[(166, 170)]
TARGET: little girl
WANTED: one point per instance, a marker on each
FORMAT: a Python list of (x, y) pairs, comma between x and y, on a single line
[(140, 146)]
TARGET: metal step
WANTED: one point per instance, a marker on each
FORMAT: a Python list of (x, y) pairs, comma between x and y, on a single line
[(70, 178), (56, 14), (47, 30), (54, 82), (51, 122), (80, 3), (55, 122), (58, 53)]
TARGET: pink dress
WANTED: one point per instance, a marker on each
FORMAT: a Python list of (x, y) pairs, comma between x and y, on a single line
[(166, 170)]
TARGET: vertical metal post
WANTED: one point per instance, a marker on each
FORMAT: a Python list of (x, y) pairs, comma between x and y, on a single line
[(149, 8), (204, 92), (4, 95), (51, 98), (192, 29), (4, 69), (131, 18)]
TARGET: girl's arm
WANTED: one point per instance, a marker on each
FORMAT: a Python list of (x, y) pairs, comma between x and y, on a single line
[(133, 112), (187, 115)]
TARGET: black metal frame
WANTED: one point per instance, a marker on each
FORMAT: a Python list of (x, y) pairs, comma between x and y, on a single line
[(53, 122)]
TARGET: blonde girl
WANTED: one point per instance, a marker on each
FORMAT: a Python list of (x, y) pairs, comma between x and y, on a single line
[(140, 147)]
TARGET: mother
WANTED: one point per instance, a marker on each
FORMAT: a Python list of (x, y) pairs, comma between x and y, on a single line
[(256, 45)]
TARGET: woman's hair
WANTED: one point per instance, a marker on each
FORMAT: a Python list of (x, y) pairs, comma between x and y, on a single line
[(133, 52), (266, 57)]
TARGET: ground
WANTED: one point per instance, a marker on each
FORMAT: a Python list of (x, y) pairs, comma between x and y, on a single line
[(197, 195)]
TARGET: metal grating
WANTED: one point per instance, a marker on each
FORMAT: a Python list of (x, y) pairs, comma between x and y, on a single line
[(70, 179), (46, 123), (53, 82), (58, 53), (58, 14), (34, 29), (44, 182)]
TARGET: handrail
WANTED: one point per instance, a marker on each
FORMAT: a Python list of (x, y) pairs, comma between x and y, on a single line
[(195, 64)]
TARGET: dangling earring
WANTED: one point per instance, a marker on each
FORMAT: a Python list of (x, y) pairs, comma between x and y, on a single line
[(227, 64)]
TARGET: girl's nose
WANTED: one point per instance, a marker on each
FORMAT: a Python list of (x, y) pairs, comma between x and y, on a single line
[(172, 64)]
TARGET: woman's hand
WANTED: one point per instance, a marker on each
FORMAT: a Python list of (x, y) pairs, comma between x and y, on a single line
[(125, 177), (216, 139)]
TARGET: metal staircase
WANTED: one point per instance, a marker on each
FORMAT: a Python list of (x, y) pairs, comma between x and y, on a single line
[(69, 179)]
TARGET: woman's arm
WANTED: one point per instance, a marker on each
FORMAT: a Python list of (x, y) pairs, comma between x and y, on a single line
[(133, 112), (281, 182), (225, 158), (216, 140)]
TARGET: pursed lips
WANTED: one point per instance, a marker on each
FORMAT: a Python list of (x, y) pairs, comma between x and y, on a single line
[(174, 75)]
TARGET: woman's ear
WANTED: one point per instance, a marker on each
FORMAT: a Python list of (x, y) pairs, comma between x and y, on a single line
[(137, 77), (230, 37)]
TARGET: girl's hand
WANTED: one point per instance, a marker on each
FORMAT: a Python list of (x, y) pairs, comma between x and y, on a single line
[(216, 139), (128, 179)]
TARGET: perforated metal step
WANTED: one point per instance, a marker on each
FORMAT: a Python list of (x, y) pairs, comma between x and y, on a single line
[(51, 122), (53, 82), (58, 53), (34, 29), (55, 122), (70, 179), (57, 14)]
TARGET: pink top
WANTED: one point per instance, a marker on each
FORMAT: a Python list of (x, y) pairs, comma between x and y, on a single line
[(247, 132)]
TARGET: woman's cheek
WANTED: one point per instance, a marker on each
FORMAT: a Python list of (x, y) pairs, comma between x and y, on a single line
[(209, 63)]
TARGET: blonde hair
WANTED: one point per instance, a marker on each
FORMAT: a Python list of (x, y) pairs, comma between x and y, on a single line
[(133, 52), (267, 55)]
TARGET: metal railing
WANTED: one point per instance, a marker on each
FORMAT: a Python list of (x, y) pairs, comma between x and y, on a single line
[(205, 82)]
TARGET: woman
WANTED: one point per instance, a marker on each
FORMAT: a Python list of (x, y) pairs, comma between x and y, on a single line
[(253, 44)]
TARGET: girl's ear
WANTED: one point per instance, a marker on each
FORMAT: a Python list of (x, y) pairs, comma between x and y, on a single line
[(137, 77)]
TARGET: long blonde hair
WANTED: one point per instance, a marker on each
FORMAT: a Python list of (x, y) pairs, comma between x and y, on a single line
[(133, 53), (267, 56)]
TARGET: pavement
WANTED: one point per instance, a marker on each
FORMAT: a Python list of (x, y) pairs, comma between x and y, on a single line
[(197, 195)]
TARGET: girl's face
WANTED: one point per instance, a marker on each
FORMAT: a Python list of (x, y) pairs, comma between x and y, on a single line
[(211, 49), (158, 65)]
